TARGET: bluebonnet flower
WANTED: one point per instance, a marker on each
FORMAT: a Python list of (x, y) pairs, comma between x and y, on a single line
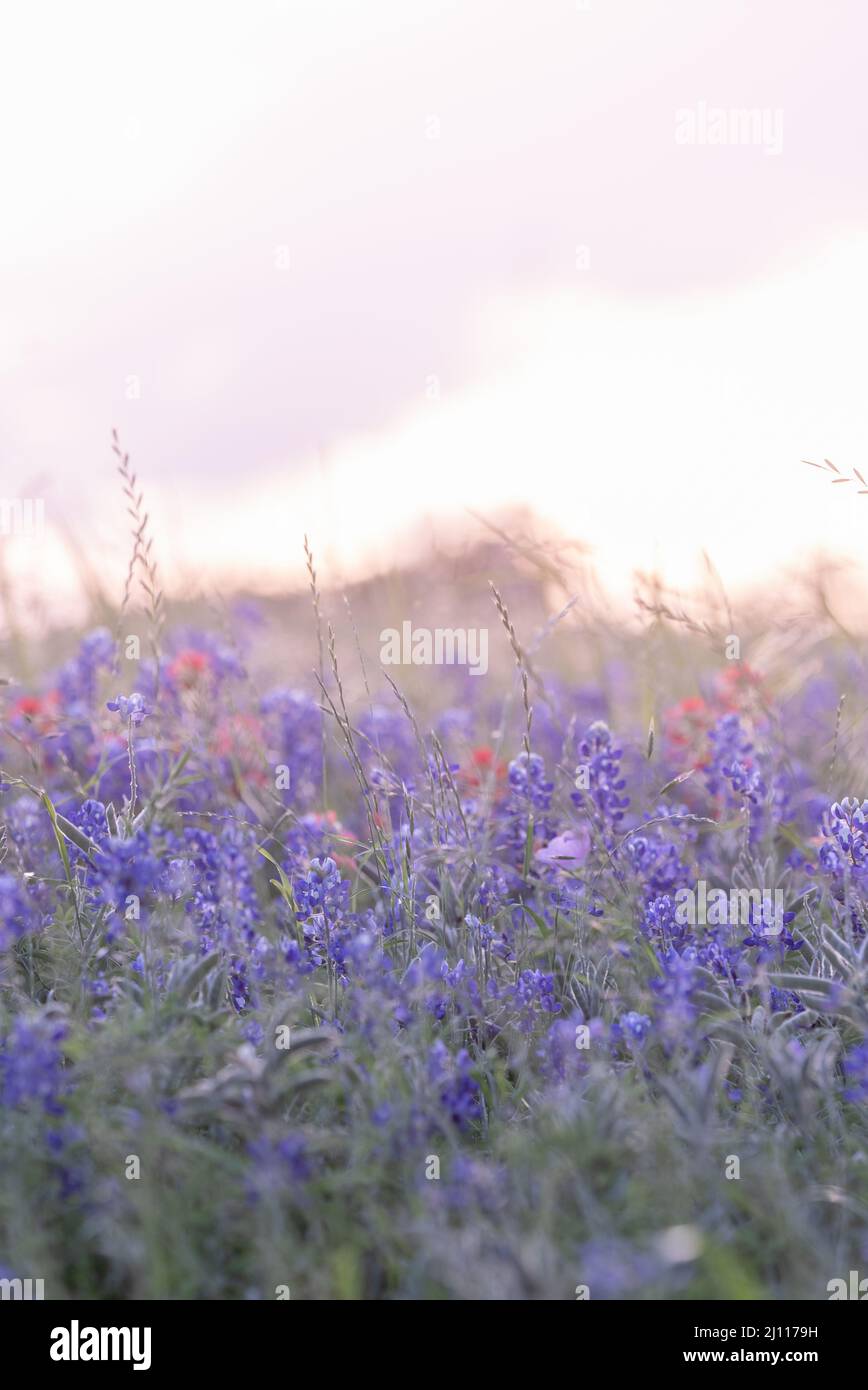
[(561, 1053), (323, 899), (388, 742), (224, 904), (528, 782), (131, 708), (770, 931), (631, 1027), (16, 910), (457, 1090), (127, 868), (656, 861), (78, 679), (674, 989), (733, 767), (91, 818), (31, 1064), (534, 994), (747, 781), (277, 1164), (528, 800), (599, 758), (423, 985), (321, 889), (662, 924), (294, 736), (729, 745), (613, 1268), (847, 830), (856, 1071), (481, 932), (473, 1184), (784, 1000), (493, 889)]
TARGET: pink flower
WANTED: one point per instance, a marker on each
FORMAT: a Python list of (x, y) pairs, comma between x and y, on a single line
[(567, 851)]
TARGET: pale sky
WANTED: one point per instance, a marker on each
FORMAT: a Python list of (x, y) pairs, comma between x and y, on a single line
[(338, 266)]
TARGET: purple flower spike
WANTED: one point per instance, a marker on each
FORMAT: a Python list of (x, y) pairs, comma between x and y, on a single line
[(131, 708)]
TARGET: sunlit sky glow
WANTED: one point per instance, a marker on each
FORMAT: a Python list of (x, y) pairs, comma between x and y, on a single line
[(229, 232)]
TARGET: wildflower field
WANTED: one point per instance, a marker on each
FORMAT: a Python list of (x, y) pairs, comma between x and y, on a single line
[(323, 979)]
